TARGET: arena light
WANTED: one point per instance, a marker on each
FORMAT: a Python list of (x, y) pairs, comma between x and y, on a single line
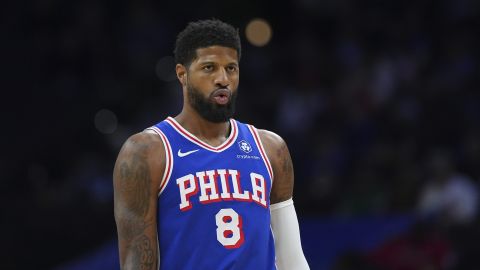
[(106, 121), (258, 32)]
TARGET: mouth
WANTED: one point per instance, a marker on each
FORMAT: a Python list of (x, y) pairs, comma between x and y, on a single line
[(221, 96)]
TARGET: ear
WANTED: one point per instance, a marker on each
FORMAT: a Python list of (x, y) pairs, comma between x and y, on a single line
[(181, 71)]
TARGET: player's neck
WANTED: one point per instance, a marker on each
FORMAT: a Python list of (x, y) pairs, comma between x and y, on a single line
[(212, 133)]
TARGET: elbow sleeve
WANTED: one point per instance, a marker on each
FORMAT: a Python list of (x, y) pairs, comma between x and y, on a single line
[(286, 231)]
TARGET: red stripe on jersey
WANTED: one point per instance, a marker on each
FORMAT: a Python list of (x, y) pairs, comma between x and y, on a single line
[(262, 151), (168, 159)]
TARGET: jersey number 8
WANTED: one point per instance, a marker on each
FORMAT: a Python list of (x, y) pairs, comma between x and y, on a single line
[(229, 228)]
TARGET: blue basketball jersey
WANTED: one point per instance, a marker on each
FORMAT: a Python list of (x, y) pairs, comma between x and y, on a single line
[(213, 205)]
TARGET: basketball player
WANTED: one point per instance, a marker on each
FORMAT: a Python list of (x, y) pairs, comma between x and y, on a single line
[(201, 190)]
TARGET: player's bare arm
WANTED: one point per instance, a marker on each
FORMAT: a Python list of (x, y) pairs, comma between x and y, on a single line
[(138, 170), (279, 156), (288, 247)]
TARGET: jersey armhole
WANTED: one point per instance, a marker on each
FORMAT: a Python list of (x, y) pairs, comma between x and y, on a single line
[(168, 158), (259, 144)]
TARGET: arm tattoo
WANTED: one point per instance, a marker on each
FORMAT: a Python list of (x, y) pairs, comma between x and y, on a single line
[(145, 256), (131, 228), (134, 185), (283, 185), (134, 188), (287, 165), (135, 180)]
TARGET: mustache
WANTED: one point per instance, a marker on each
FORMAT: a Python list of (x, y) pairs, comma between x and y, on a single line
[(221, 91)]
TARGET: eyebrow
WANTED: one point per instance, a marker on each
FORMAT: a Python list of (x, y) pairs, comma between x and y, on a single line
[(205, 62), (213, 63)]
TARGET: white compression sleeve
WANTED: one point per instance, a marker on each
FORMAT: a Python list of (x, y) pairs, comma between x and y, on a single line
[(288, 246)]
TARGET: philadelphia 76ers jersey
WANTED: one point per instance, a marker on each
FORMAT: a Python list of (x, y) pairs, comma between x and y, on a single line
[(213, 205)]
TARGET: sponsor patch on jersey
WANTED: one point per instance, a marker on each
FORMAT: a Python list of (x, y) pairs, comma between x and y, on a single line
[(245, 146)]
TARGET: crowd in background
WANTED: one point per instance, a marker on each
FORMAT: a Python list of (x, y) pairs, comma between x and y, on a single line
[(377, 100)]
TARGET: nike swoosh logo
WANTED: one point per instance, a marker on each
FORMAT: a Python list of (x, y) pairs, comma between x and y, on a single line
[(183, 154)]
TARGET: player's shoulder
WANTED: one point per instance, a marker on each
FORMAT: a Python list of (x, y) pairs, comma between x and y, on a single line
[(271, 140), (142, 153), (144, 142)]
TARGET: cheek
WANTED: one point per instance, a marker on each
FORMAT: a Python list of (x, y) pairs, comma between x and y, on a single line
[(234, 79), (235, 82), (201, 82)]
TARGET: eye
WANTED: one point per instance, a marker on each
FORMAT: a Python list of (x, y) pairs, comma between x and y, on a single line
[(207, 68), (232, 68)]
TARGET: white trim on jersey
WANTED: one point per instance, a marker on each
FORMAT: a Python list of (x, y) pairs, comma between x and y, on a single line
[(260, 147), (168, 159), (189, 136)]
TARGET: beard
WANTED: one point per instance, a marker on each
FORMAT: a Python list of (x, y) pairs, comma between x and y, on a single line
[(209, 110)]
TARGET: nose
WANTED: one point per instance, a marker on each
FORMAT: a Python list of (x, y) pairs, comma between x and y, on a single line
[(221, 79)]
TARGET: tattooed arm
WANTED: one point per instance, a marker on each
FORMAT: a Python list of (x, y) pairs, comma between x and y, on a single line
[(279, 156), (288, 247), (138, 170)]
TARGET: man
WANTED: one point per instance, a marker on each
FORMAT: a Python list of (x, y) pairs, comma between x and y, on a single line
[(202, 190)]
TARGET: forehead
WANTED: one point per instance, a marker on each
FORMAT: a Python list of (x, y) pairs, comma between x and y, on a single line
[(216, 54)]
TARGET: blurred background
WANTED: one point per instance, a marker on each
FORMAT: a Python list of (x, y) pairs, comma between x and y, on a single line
[(377, 100)]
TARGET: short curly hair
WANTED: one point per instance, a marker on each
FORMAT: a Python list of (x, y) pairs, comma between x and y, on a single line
[(202, 34)]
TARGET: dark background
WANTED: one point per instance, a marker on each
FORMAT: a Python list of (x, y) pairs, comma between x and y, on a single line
[(377, 100)]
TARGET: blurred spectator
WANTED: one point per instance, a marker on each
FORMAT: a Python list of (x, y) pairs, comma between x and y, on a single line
[(448, 196), (424, 247)]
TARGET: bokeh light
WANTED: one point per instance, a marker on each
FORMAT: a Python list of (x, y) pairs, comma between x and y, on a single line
[(258, 32), (106, 121)]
